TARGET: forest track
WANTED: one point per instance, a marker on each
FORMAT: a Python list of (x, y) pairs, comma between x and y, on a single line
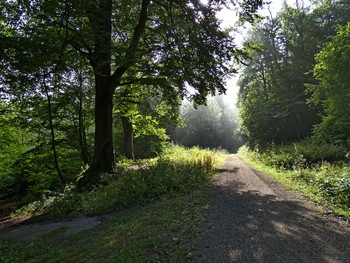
[(251, 218)]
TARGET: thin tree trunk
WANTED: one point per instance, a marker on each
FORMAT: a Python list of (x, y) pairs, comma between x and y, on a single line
[(82, 135), (53, 140), (128, 148), (80, 126)]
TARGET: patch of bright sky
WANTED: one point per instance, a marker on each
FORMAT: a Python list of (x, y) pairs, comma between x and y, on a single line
[(229, 19)]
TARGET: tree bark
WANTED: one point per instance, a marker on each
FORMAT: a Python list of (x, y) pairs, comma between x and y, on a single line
[(128, 147), (103, 160), (103, 151)]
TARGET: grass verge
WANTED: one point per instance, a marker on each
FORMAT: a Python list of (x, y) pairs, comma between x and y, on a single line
[(324, 183), (157, 204), (177, 171), (157, 232)]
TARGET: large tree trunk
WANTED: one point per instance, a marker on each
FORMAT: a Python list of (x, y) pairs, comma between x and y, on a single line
[(100, 17), (103, 160), (128, 147), (103, 151)]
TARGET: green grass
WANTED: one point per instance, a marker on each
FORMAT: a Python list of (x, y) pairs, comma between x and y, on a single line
[(323, 182), (157, 232), (302, 154), (177, 171), (158, 210)]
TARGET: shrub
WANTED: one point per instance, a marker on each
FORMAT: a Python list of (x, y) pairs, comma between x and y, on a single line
[(336, 189), (167, 177)]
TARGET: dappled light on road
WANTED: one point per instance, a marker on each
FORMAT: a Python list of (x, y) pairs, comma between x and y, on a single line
[(251, 219)]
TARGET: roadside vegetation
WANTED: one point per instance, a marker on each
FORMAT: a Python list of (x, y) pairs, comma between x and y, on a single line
[(156, 232), (319, 171), (157, 204), (177, 171), (294, 100)]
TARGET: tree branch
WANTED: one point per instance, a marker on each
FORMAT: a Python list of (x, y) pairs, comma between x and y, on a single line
[(149, 81), (135, 40)]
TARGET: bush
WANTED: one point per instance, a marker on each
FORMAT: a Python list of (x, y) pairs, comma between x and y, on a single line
[(34, 172), (141, 185), (336, 189), (333, 181), (148, 146)]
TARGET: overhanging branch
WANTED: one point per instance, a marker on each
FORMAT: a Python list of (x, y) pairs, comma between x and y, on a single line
[(135, 40)]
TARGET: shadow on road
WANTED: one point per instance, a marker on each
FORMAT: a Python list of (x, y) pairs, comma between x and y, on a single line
[(243, 225)]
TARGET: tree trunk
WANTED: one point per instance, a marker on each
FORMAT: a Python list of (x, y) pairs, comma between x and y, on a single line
[(103, 160), (82, 135), (53, 140), (100, 16), (128, 148)]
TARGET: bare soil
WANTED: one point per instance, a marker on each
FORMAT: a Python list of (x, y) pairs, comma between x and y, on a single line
[(34, 231), (251, 218)]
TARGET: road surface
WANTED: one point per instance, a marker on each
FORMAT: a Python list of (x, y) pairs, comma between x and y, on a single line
[(251, 218)]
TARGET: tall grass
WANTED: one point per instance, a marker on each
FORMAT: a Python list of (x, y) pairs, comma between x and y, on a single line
[(301, 154), (167, 197), (207, 159), (177, 171)]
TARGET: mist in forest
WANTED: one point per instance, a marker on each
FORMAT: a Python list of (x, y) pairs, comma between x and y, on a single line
[(213, 125)]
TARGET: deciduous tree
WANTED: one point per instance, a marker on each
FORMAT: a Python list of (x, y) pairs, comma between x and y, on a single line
[(179, 43)]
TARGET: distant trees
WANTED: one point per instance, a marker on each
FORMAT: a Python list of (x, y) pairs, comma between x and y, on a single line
[(212, 125), (273, 101)]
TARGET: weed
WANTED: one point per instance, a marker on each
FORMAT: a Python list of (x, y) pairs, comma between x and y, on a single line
[(158, 201), (300, 155)]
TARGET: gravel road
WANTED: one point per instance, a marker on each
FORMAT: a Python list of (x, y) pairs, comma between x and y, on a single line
[(251, 218)]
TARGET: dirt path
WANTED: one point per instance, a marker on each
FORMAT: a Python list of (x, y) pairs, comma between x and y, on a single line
[(34, 231), (250, 218)]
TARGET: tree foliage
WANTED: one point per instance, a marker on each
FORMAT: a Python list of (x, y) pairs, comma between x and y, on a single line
[(333, 90), (273, 99), (69, 67)]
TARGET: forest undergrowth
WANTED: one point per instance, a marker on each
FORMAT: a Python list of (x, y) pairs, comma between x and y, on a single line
[(158, 202), (319, 171), (176, 171)]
